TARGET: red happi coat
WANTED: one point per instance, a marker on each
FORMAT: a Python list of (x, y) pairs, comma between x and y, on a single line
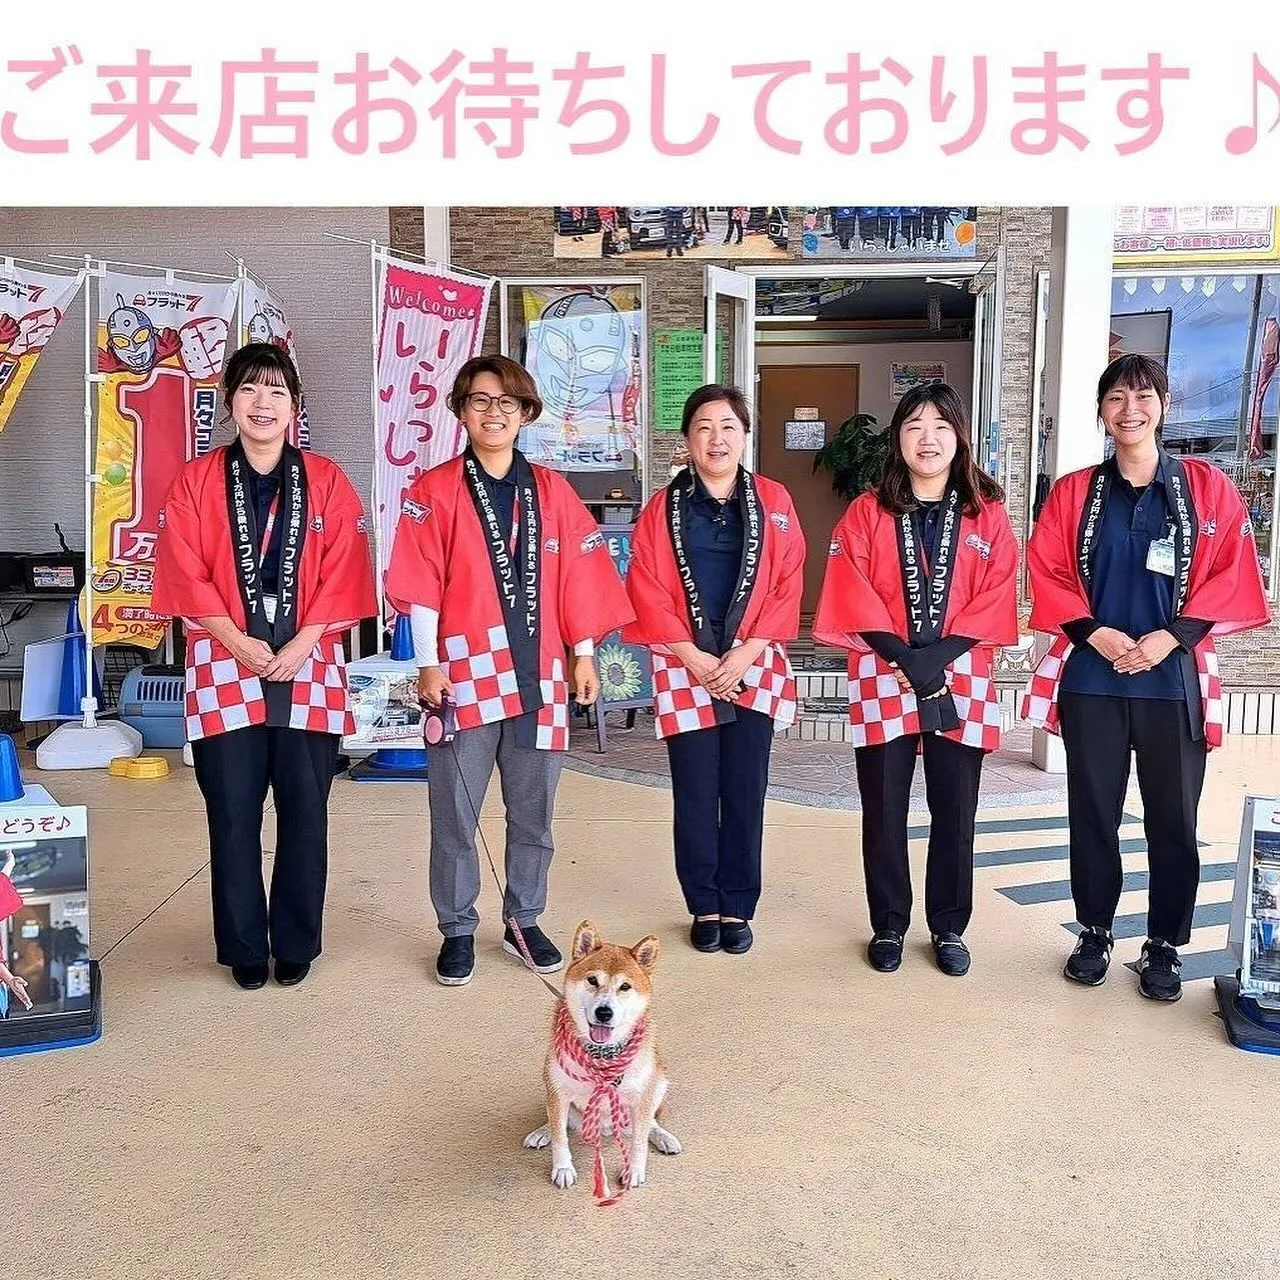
[(196, 577), (440, 560), (1224, 584), (863, 591), (772, 613), (10, 901)]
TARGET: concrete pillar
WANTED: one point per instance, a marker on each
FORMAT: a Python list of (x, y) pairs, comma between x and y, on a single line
[(435, 232), (1077, 340)]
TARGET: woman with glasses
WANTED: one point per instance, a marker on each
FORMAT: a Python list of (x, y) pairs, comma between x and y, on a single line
[(502, 571)]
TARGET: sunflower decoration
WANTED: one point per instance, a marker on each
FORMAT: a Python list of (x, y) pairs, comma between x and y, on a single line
[(620, 674)]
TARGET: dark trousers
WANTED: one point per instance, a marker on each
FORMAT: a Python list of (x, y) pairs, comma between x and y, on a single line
[(719, 777), (1099, 733), (952, 772), (234, 771)]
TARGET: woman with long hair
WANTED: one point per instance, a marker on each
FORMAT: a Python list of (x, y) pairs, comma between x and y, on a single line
[(921, 589)]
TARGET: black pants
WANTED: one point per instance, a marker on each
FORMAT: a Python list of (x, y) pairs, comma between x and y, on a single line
[(952, 772), (234, 771), (734, 224), (1098, 733), (719, 778)]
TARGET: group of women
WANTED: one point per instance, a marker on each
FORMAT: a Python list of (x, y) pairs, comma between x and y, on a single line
[(1135, 564)]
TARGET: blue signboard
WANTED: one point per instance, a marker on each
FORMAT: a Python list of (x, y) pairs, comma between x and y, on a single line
[(626, 673)]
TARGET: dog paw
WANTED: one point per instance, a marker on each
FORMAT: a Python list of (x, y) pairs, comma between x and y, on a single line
[(666, 1143), (564, 1176), (538, 1139), (636, 1179)]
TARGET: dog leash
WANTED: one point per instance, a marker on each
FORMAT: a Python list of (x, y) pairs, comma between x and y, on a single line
[(502, 894)]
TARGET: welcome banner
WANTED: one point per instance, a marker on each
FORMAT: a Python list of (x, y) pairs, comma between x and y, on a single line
[(430, 324), (161, 344), (263, 319), (32, 304)]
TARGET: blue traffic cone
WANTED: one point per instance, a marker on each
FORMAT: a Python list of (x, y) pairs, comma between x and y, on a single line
[(74, 686), (402, 639), (11, 787)]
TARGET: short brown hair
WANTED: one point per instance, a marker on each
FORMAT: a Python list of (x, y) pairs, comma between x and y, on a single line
[(513, 376), (709, 394), (254, 360)]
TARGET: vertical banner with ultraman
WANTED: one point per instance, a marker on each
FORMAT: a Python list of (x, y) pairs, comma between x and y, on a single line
[(161, 343), (263, 319), (32, 304), (430, 322)]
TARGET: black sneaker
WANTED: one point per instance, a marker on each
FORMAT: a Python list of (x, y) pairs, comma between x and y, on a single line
[(951, 955), (885, 950), (1159, 971), (456, 961), (1087, 964), (546, 959)]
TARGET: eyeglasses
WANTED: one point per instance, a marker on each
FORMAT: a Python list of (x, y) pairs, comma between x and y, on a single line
[(481, 402)]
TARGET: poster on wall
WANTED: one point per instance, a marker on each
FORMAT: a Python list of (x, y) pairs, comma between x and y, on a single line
[(877, 232), (1157, 234), (678, 372), (584, 346), (161, 344), (626, 670), (907, 376), (263, 319), (32, 304), (646, 232), (431, 322), (1253, 936)]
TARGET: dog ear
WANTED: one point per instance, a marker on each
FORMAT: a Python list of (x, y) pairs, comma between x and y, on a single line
[(645, 952), (586, 939)]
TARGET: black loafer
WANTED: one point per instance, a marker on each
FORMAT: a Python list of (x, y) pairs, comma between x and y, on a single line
[(289, 974), (735, 936), (704, 935), (249, 976), (951, 955), (884, 951), (456, 962)]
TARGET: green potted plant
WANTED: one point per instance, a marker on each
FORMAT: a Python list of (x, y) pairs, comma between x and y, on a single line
[(855, 455)]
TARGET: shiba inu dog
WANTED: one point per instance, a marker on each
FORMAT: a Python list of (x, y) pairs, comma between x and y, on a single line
[(603, 1073)]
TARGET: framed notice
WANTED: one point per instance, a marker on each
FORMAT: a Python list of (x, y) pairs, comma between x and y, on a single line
[(799, 435)]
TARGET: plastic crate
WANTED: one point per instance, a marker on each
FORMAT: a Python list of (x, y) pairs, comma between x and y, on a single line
[(152, 700)]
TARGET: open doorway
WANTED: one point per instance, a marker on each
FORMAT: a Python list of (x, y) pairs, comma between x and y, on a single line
[(829, 347)]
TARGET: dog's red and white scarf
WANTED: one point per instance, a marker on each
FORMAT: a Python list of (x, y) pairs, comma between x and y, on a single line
[(604, 1075)]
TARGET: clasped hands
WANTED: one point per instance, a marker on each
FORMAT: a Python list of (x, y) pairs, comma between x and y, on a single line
[(721, 677), (1129, 657), (264, 661)]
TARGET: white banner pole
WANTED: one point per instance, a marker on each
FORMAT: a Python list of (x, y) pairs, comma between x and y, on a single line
[(374, 518)]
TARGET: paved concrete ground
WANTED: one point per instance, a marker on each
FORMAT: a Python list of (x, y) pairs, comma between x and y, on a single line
[(837, 1122)]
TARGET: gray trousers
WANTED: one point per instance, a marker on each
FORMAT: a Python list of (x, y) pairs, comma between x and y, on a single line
[(529, 779)]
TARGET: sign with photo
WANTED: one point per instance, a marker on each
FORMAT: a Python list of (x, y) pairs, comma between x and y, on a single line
[(1254, 936), (647, 232), (871, 233), (907, 376)]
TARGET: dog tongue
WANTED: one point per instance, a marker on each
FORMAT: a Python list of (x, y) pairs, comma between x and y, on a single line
[(600, 1033)]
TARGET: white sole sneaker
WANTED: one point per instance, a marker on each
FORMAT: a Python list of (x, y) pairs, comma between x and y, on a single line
[(454, 982), (512, 950)]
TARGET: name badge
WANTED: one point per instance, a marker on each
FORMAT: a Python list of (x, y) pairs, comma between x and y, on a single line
[(269, 602), (1160, 557)]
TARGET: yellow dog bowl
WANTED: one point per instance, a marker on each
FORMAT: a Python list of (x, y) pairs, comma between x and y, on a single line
[(139, 767)]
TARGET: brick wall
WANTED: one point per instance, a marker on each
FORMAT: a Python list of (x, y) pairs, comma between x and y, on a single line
[(518, 242)]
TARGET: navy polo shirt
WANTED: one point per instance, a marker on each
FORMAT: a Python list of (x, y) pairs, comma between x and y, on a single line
[(1129, 596), (926, 520), (263, 491), (713, 542)]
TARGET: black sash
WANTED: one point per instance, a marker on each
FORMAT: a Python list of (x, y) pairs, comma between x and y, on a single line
[(518, 580), (678, 493), (927, 602), (1186, 529), (292, 523)]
